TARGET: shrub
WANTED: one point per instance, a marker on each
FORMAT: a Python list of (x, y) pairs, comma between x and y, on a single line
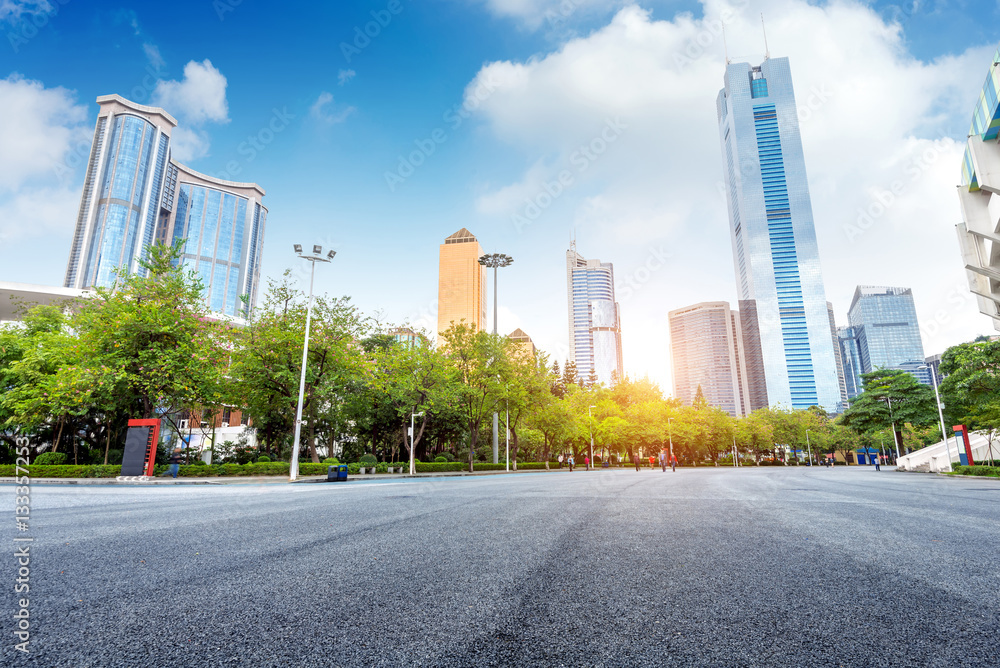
[(331, 460), (448, 457), (263, 459), (368, 460), (199, 462), (51, 459), (440, 458)]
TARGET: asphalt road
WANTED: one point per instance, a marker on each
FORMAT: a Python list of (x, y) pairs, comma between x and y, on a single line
[(703, 567)]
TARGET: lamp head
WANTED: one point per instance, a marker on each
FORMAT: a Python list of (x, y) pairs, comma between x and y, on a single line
[(298, 248), (317, 250), (332, 254)]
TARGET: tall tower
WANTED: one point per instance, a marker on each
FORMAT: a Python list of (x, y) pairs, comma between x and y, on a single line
[(594, 318), (884, 322), (786, 327), (134, 194), (706, 351), (461, 282)]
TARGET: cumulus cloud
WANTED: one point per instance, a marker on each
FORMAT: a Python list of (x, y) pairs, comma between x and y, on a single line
[(871, 115), (199, 97), (41, 131), (153, 55), (324, 110), (14, 9), (343, 76), (189, 144)]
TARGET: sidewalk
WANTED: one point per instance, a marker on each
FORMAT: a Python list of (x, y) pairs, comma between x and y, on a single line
[(258, 480)]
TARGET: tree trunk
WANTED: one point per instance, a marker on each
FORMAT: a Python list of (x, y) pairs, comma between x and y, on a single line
[(62, 421), (473, 437), (312, 442), (107, 445)]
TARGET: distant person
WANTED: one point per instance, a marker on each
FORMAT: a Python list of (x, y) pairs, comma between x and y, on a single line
[(673, 463), (571, 462), (652, 462), (663, 461), (877, 467), (586, 461), (636, 460), (175, 463), (560, 461)]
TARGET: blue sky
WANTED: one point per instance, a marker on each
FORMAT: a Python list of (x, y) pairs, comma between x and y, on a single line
[(885, 88)]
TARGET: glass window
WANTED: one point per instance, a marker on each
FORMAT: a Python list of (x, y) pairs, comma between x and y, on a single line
[(241, 220), (233, 292), (211, 223), (226, 228), (219, 288), (194, 220)]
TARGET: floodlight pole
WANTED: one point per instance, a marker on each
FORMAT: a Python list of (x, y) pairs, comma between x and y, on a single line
[(293, 468), (413, 466), (940, 407), (495, 261)]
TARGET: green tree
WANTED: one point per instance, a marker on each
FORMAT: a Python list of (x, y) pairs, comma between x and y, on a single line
[(891, 399)]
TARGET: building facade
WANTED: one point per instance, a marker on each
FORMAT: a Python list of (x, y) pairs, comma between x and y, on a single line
[(134, 193), (461, 282), (979, 196), (884, 324), (848, 344), (782, 300), (594, 318), (707, 351), (838, 359)]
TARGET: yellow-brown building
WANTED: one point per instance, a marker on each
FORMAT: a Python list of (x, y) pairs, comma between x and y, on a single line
[(524, 344), (461, 282)]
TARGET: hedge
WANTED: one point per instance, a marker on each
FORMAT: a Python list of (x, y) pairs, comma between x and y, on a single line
[(979, 469)]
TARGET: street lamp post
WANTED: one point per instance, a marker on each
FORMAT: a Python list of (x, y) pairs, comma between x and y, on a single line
[(940, 407), (495, 261), (506, 425), (413, 466), (808, 445), (670, 433), (591, 421), (317, 256)]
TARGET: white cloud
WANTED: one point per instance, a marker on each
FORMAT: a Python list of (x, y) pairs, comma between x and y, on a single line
[(343, 76), (14, 9), (323, 110), (871, 114), (189, 144), (42, 132), (153, 55), (39, 212), (199, 97), (533, 14)]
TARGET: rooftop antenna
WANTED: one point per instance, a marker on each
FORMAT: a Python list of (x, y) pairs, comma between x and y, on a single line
[(725, 44), (767, 52)]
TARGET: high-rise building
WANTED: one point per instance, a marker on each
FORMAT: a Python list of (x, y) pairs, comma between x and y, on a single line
[(782, 302), (134, 193), (594, 319), (884, 321), (848, 343), (707, 351), (979, 195), (838, 359), (523, 343), (461, 282)]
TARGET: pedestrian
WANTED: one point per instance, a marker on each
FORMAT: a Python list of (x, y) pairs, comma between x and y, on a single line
[(560, 461), (877, 467), (663, 461), (635, 460), (571, 462), (652, 462), (175, 463), (673, 464), (586, 461)]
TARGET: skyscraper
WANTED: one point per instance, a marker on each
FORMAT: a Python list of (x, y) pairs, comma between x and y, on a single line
[(786, 327), (884, 323), (979, 195), (461, 282), (848, 343), (594, 321), (707, 351), (838, 359), (135, 194)]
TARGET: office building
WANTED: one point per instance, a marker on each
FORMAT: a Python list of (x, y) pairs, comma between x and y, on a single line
[(782, 302), (848, 344), (461, 282), (523, 343), (706, 348), (134, 193), (885, 328), (979, 195), (594, 318), (838, 359)]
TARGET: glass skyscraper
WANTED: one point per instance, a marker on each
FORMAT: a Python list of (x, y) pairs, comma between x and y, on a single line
[(884, 325), (594, 322), (786, 328), (135, 194)]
